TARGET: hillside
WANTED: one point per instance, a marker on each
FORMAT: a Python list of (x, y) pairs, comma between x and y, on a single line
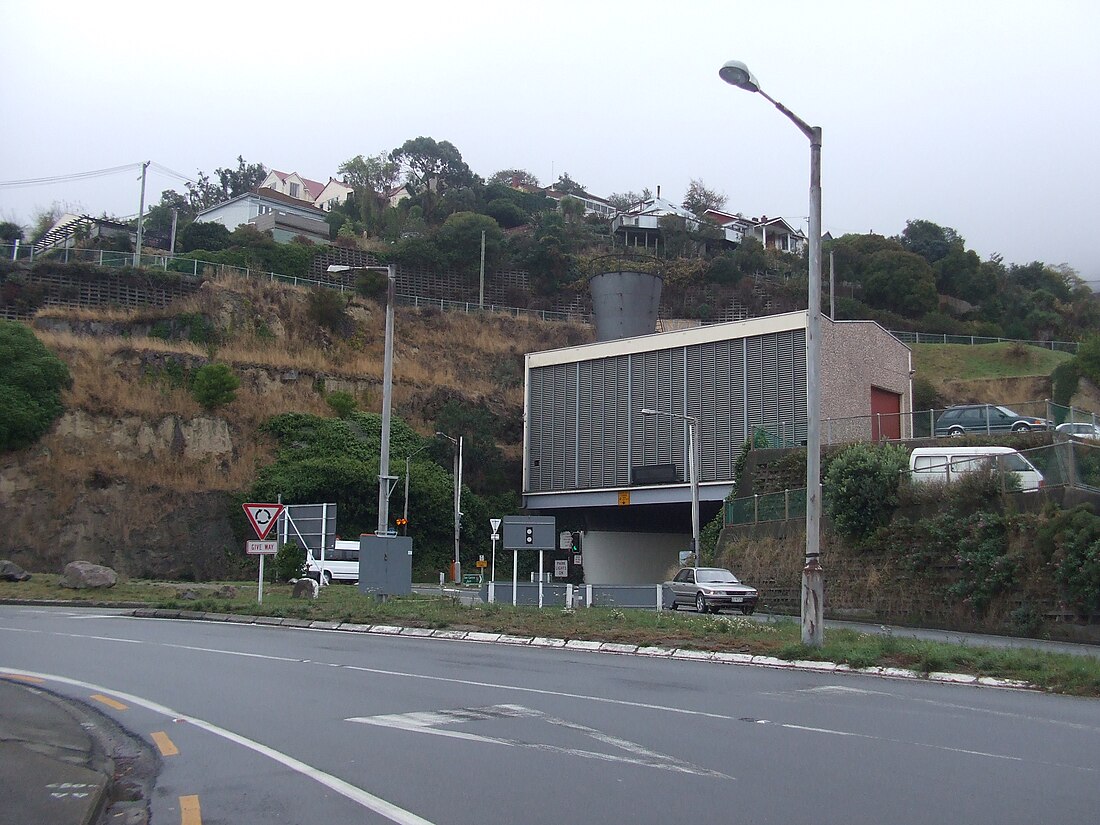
[(136, 474)]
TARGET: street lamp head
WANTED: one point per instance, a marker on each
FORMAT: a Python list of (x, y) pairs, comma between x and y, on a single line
[(648, 411), (736, 73)]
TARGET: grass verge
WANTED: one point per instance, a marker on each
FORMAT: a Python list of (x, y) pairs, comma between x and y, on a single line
[(1054, 672)]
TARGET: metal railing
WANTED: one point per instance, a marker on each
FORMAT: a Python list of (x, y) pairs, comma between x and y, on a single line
[(171, 263), (943, 338), (1067, 463)]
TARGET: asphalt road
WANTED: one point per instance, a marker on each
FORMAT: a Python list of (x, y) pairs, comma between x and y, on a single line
[(276, 725)]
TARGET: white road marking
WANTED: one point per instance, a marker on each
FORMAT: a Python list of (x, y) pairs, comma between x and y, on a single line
[(621, 702), (432, 722), (355, 794)]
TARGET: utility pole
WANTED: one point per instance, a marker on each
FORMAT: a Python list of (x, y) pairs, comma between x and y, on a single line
[(141, 216), (481, 296), (172, 244)]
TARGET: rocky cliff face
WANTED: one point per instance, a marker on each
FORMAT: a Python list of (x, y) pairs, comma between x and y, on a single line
[(141, 530)]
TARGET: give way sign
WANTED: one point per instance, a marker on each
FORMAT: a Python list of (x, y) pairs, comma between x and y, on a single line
[(262, 517)]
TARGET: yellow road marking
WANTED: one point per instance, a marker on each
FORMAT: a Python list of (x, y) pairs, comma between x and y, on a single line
[(166, 745), (190, 814), (19, 677), (109, 702)]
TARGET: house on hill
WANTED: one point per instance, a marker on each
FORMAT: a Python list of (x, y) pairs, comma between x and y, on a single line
[(640, 223), (773, 233), (284, 216), (322, 195)]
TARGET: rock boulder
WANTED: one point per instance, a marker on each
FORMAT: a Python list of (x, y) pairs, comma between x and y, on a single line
[(12, 572), (83, 574)]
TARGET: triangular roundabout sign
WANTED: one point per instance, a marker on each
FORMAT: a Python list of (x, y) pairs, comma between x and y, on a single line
[(262, 517)]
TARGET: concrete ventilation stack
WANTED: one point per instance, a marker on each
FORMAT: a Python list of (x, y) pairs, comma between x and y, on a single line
[(625, 303)]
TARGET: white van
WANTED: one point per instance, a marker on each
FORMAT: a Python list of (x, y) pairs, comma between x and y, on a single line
[(947, 463), (341, 563)]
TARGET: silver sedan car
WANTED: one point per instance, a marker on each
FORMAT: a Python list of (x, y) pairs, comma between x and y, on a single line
[(710, 589)]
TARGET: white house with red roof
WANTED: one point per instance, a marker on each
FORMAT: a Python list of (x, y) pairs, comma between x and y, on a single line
[(322, 195), (773, 233)]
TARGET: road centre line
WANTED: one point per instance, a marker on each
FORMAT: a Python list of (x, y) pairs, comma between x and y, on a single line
[(164, 744), (190, 810), (346, 789), (109, 702)]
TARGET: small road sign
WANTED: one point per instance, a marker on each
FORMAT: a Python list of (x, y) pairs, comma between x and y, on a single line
[(561, 568), (262, 548), (481, 563), (495, 524), (262, 517)]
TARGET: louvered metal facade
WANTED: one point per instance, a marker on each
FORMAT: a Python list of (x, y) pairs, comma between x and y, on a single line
[(585, 429)]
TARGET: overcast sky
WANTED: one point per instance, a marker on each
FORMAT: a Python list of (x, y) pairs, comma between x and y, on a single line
[(981, 116)]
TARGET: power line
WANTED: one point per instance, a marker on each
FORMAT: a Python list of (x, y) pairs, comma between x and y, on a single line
[(97, 173), (172, 173)]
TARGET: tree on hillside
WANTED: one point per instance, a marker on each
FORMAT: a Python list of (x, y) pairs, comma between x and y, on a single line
[(568, 186), (229, 182), (699, 198), (203, 235), (10, 232), (215, 385), (900, 282), (430, 164), (459, 241), (376, 174), (852, 252), (960, 273), (31, 380), (929, 240), (513, 177)]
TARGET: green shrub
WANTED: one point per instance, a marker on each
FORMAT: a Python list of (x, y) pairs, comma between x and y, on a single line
[(342, 403), (328, 308), (1064, 382), (290, 562), (861, 487), (31, 380), (1072, 540), (214, 385)]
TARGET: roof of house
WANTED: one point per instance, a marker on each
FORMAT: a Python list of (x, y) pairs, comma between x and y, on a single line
[(270, 195), (659, 206), (313, 187)]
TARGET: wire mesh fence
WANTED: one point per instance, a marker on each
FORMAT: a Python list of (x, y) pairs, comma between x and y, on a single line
[(1069, 462)]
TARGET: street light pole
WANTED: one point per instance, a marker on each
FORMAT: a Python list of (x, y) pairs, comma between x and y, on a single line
[(457, 573), (405, 513), (693, 470), (386, 482), (813, 578)]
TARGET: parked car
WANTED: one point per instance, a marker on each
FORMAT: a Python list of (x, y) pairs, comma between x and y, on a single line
[(946, 464), (981, 418), (1080, 429), (710, 589)]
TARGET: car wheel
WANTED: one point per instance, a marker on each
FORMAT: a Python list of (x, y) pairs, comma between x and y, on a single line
[(328, 577), (673, 605), (747, 610), (700, 603), (1021, 428), (955, 432)]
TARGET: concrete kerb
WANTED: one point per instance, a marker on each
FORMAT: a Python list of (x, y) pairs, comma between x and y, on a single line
[(590, 646)]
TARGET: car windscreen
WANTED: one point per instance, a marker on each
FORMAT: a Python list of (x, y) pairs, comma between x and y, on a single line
[(717, 576), (1006, 411)]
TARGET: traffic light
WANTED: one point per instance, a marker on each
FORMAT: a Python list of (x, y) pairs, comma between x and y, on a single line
[(576, 542), (401, 522)]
